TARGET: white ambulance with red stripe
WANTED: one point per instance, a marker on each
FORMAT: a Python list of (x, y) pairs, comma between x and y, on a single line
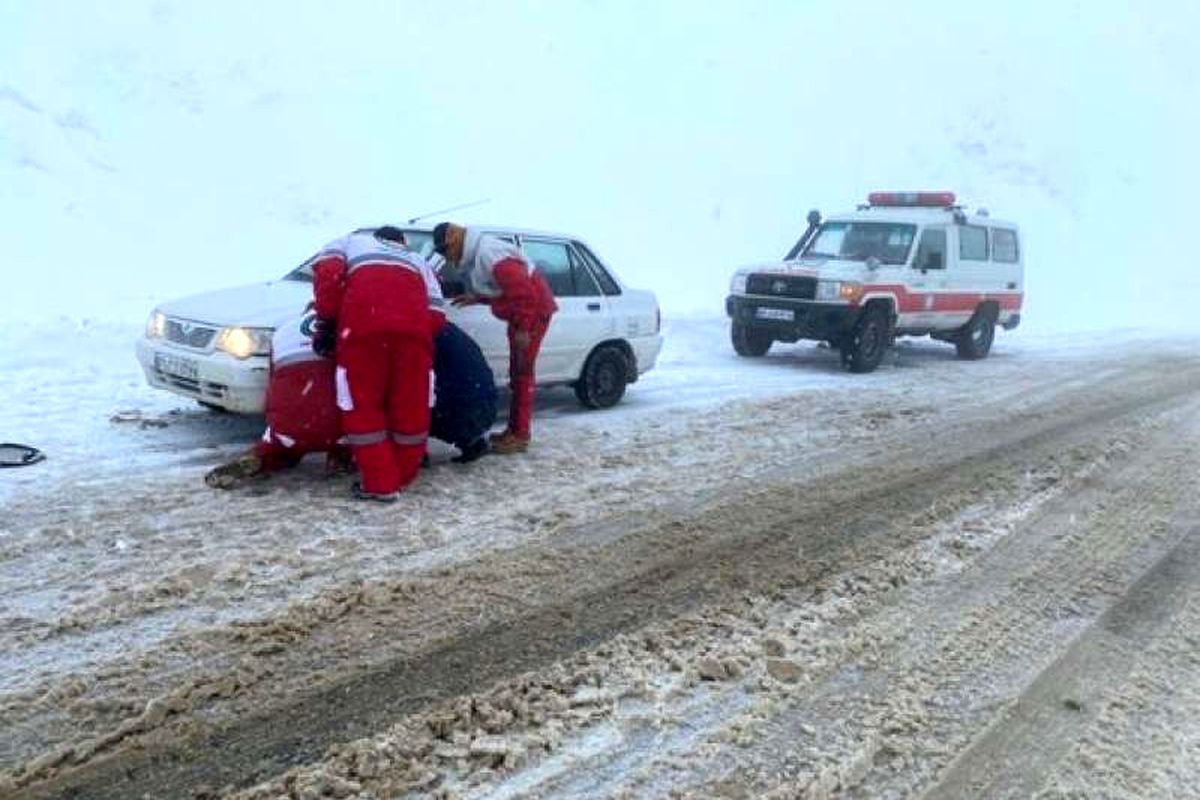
[(903, 264)]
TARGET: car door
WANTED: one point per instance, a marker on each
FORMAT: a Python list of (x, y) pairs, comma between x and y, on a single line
[(584, 317)]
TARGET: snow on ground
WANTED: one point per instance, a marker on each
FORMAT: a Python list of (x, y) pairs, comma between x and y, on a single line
[(115, 556), (73, 388)]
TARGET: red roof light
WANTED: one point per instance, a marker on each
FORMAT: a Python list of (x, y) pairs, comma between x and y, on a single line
[(923, 199)]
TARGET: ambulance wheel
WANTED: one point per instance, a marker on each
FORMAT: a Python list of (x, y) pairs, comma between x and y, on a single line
[(974, 341), (863, 348), (605, 374), (749, 342)]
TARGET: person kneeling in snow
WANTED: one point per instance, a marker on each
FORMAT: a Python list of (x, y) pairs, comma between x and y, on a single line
[(303, 417)]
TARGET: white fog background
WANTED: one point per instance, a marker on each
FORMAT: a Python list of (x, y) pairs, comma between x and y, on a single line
[(152, 149)]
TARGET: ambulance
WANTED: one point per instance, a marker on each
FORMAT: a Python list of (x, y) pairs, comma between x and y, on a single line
[(902, 264)]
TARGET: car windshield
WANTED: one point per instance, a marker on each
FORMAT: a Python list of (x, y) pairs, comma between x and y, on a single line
[(857, 241), (421, 241)]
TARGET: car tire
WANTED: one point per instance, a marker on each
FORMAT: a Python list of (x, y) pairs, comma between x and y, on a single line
[(750, 342), (974, 341), (604, 377), (864, 346)]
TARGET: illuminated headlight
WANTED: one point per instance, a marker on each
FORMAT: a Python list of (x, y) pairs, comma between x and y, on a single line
[(738, 284), (245, 342), (845, 291), (156, 326)]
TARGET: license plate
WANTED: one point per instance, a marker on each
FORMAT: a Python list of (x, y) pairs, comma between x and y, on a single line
[(785, 314), (177, 366)]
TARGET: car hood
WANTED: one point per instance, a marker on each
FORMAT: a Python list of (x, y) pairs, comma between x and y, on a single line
[(258, 305), (830, 269)]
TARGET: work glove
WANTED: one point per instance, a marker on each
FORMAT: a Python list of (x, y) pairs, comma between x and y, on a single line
[(462, 300), (324, 337)]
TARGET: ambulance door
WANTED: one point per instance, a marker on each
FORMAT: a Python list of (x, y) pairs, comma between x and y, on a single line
[(970, 276), (927, 279)]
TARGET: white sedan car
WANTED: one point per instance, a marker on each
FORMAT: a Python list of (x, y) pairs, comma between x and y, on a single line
[(215, 347)]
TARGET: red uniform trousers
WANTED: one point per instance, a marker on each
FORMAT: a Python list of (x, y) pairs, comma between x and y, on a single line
[(383, 392), (521, 372)]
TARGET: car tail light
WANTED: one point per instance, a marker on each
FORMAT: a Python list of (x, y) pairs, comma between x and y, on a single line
[(924, 199)]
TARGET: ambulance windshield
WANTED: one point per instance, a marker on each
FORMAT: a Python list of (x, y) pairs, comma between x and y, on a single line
[(857, 241)]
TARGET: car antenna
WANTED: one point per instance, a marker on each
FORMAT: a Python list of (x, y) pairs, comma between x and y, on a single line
[(451, 208)]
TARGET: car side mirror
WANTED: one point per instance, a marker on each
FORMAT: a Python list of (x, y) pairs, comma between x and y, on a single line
[(873, 263)]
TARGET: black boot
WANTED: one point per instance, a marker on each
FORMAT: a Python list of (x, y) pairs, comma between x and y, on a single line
[(471, 451)]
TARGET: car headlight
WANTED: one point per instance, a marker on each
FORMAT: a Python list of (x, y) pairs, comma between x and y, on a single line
[(846, 291), (245, 342), (156, 326), (738, 284)]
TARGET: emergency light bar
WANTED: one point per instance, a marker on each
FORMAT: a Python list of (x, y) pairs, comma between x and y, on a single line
[(922, 199)]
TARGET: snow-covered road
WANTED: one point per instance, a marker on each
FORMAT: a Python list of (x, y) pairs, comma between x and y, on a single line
[(743, 549)]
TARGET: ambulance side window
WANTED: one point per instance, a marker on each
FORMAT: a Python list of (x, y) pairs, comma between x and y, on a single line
[(931, 252), (972, 243), (1004, 246)]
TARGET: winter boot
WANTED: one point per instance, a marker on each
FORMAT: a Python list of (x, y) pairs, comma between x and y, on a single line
[(230, 475), (471, 451), (362, 494), (509, 443)]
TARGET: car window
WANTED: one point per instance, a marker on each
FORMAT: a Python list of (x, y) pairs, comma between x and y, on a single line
[(1004, 245), (931, 250), (608, 284), (972, 243), (566, 276)]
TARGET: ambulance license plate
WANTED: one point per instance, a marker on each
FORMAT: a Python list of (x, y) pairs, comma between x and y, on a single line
[(177, 365), (784, 314)]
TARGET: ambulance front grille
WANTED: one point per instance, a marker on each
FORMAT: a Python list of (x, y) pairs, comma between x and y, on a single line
[(798, 287)]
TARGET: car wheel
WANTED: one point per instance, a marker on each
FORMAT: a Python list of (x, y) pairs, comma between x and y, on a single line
[(974, 341), (602, 383), (749, 342), (863, 348)]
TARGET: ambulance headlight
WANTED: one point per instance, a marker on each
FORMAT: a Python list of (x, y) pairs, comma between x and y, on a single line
[(738, 284), (156, 326), (245, 342), (843, 291)]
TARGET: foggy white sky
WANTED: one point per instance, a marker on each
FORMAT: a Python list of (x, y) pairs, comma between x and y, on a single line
[(149, 149)]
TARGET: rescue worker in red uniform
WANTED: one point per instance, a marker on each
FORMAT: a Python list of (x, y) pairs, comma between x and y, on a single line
[(302, 413), (501, 276), (372, 296), (303, 417)]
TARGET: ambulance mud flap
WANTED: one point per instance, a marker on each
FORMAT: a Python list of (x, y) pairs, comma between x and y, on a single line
[(19, 455)]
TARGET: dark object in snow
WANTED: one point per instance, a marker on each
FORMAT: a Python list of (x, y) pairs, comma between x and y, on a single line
[(19, 455)]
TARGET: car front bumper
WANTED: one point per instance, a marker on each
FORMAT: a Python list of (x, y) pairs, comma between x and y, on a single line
[(792, 320), (215, 378)]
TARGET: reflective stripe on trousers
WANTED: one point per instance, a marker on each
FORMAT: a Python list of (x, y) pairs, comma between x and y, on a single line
[(364, 439)]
